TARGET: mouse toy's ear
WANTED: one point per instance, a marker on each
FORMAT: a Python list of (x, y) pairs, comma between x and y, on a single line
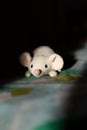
[(25, 59), (56, 61)]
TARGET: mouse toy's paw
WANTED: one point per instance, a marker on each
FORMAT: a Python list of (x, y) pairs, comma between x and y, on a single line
[(27, 74), (59, 70), (53, 73)]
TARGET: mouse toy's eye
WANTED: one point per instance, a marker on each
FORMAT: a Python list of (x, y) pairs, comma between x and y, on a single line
[(46, 66), (31, 66)]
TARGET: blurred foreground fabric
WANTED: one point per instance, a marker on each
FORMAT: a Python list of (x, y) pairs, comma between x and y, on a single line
[(39, 103)]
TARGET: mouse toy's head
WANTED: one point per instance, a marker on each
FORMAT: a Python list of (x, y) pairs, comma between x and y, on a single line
[(41, 65)]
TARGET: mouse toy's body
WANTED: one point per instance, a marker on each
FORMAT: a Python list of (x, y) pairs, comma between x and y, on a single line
[(45, 61)]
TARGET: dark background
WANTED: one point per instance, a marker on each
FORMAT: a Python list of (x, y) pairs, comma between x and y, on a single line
[(61, 24)]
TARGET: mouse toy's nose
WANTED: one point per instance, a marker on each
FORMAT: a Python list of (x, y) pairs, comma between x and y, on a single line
[(38, 71)]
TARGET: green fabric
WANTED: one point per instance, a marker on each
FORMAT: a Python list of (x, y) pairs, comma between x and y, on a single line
[(52, 125), (69, 72)]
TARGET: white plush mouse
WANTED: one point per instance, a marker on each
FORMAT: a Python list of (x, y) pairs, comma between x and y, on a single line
[(45, 61)]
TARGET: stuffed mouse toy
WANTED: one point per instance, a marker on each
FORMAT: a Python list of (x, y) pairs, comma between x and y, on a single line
[(45, 61)]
